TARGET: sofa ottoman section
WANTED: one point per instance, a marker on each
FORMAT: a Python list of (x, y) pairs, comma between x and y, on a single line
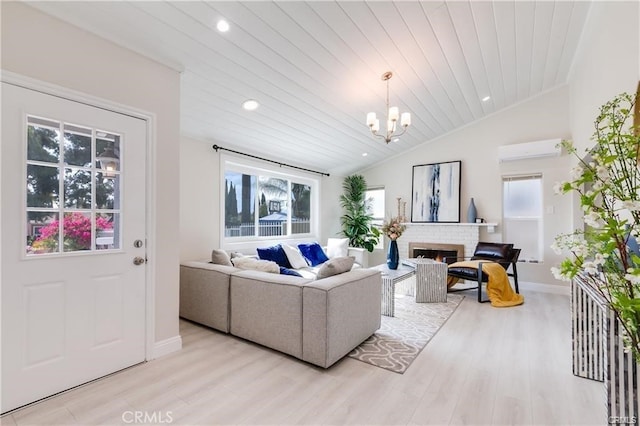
[(204, 293), (267, 309), (339, 313)]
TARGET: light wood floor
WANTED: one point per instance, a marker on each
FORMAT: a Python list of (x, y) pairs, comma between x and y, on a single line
[(509, 366)]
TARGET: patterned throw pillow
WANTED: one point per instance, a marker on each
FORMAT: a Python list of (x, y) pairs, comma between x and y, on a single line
[(313, 253), (274, 254)]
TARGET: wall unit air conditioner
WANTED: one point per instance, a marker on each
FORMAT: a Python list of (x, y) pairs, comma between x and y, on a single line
[(522, 151)]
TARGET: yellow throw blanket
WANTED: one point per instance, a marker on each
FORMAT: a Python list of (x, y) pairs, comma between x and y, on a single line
[(498, 288)]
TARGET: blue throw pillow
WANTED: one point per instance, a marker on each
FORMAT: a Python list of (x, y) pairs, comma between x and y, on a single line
[(275, 254), (313, 253), (287, 271)]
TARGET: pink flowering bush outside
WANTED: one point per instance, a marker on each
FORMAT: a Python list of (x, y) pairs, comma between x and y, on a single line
[(77, 233)]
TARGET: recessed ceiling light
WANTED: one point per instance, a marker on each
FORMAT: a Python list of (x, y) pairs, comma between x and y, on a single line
[(250, 104), (395, 140), (486, 98), (222, 26), (364, 154)]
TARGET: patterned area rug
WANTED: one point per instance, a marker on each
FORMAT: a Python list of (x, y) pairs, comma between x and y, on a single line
[(401, 338)]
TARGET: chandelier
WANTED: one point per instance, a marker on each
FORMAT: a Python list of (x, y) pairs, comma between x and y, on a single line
[(393, 115)]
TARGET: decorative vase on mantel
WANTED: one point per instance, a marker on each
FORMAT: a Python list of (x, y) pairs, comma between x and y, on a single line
[(393, 256), (472, 213)]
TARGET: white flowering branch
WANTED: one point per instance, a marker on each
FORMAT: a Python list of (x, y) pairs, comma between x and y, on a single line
[(608, 186)]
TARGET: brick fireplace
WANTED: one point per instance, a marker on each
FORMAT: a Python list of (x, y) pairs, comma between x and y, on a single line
[(465, 235)]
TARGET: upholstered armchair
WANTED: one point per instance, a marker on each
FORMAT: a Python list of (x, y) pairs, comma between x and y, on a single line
[(503, 253)]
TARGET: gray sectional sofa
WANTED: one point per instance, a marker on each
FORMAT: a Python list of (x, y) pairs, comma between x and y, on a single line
[(318, 321)]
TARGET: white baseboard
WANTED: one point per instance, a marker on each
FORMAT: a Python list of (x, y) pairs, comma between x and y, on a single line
[(546, 288), (166, 346)]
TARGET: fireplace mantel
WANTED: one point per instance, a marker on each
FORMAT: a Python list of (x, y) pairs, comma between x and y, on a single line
[(491, 226), (466, 234)]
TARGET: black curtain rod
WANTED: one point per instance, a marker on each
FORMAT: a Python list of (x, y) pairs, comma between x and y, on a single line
[(217, 147)]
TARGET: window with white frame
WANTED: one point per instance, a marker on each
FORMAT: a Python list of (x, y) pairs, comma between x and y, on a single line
[(522, 215), (376, 209), (261, 202)]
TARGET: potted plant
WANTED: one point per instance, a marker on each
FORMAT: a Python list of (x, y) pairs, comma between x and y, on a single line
[(608, 184), (356, 220)]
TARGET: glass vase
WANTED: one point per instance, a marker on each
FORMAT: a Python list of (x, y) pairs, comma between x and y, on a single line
[(393, 256)]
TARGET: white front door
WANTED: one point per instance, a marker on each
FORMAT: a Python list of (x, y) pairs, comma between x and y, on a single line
[(72, 222)]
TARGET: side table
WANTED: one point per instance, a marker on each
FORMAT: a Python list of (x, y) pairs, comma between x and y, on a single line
[(431, 279), (389, 279)]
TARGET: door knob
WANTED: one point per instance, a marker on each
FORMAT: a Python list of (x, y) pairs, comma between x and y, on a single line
[(138, 260)]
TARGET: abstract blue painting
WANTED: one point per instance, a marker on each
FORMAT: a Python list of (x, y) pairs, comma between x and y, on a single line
[(436, 192)]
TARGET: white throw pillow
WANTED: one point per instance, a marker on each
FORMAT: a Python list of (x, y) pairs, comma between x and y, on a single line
[(337, 247), (296, 259), (256, 264)]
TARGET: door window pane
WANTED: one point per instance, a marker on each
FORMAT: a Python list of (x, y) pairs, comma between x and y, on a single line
[(43, 186), (43, 143), (77, 189), (107, 231), (108, 152), (76, 231), (42, 232), (77, 146), (107, 191)]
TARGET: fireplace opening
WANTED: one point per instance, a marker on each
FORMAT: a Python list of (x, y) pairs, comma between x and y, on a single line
[(450, 256), (437, 251)]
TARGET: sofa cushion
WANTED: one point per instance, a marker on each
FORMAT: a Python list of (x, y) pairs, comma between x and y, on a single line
[(335, 266), (274, 254), (220, 257), (287, 271), (296, 259), (313, 253), (337, 247), (256, 264)]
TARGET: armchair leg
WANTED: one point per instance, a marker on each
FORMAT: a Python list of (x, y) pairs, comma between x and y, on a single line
[(480, 284), (515, 277)]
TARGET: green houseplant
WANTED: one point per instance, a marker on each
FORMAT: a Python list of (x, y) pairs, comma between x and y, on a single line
[(608, 184), (356, 220)]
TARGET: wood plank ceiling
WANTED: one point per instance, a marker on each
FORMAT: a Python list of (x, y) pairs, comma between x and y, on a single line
[(315, 66)]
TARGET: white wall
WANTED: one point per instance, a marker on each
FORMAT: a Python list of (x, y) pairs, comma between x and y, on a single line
[(476, 145), (47, 49), (607, 63), (199, 199)]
